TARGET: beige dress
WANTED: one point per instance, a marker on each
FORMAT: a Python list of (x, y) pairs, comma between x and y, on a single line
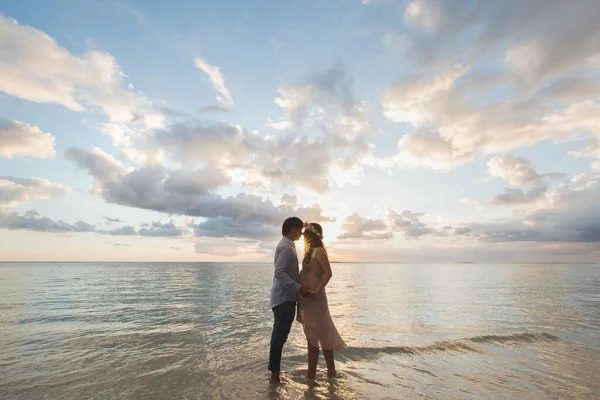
[(313, 311)]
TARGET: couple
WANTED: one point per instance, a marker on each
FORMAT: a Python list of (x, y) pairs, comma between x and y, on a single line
[(308, 289)]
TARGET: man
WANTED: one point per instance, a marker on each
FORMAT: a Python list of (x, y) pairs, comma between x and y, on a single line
[(284, 290)]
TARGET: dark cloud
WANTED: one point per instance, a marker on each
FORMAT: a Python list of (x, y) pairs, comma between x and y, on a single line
[(214, 110), (32, 221), (514, 196), (177, 192), (570, 213), (113, 220), (169, 229)]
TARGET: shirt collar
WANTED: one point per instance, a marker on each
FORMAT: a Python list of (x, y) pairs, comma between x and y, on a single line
[(288, 241)]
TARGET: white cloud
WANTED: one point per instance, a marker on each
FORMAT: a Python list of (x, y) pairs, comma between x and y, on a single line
[(408, 223), (423, 14), (16, 191), (357, 227), (424, 148), (516, 170), (496, 76), (411, 99), (35, 68), (217, 80), (21, 139)]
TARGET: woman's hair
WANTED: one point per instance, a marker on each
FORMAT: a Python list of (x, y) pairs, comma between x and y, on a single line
[(313, 239)]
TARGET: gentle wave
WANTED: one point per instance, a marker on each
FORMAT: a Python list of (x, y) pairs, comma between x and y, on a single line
[(458, 345)]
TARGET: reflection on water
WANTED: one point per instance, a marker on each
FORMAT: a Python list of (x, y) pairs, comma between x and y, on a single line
[(201, 331)]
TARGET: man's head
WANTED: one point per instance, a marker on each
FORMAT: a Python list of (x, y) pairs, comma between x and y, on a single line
[(292, 228)]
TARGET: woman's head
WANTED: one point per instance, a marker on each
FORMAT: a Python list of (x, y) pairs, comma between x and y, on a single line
[(313, 239)]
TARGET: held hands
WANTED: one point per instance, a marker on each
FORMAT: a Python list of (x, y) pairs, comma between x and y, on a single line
[(304, 291), (314, 291)]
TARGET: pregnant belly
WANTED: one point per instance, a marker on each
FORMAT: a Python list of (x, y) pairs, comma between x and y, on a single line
[(309, 280)]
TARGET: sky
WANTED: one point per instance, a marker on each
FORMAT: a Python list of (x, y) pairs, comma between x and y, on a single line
[(412, 131)]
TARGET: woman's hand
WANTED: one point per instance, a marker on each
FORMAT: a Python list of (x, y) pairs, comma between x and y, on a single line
[(315, 291)]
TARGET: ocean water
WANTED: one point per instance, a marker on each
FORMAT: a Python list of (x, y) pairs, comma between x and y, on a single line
[(201, 331)]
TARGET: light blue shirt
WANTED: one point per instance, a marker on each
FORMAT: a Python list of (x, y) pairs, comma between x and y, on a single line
[(285, 280)]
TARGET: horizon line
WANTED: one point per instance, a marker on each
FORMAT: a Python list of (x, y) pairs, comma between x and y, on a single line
[(270, 262)]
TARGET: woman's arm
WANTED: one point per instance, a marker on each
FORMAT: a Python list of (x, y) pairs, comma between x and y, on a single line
[(321, 256)]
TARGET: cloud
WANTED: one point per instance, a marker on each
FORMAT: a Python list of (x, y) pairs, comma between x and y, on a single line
[(424, 148), (331, 89), (226, 227), (512, 196), (546, 37), (494, 77), (463, 127), (179, 192), (214, 110), (35, 68), (592, 150), (568, 213), (217, 80), (518, 171), (289, 159), (357, 227), (288, 199), (153, 229), (408, 223), (329, 129), (123, 231), (16, 191), (409, 100), (113, 220), (21, 139), (32, 221), (169, 229)]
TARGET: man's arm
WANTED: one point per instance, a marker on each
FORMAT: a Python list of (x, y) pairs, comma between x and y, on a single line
[(285, 259)]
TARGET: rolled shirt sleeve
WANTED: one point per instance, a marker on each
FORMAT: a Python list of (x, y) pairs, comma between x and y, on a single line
[(287, 258)]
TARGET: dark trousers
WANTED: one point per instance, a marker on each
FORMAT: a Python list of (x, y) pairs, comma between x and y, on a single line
[(284, 316)]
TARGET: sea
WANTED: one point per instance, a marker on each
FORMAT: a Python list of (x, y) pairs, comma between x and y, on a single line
[(202, 330)]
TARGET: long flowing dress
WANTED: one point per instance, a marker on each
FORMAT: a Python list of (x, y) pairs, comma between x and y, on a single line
[(313, 311)]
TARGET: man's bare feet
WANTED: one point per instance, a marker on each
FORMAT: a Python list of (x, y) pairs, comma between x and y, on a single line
[(275, 379), (310, 377), (331, 374)]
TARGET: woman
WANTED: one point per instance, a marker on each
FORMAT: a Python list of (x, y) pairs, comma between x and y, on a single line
[(313, 311)]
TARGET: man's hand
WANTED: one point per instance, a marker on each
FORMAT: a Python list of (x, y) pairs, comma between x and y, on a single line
[(303, 291)]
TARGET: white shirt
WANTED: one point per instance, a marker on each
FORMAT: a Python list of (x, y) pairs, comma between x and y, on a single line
[(285, 280)]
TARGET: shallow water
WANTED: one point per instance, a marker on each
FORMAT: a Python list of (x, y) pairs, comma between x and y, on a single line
[(201, 331)]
